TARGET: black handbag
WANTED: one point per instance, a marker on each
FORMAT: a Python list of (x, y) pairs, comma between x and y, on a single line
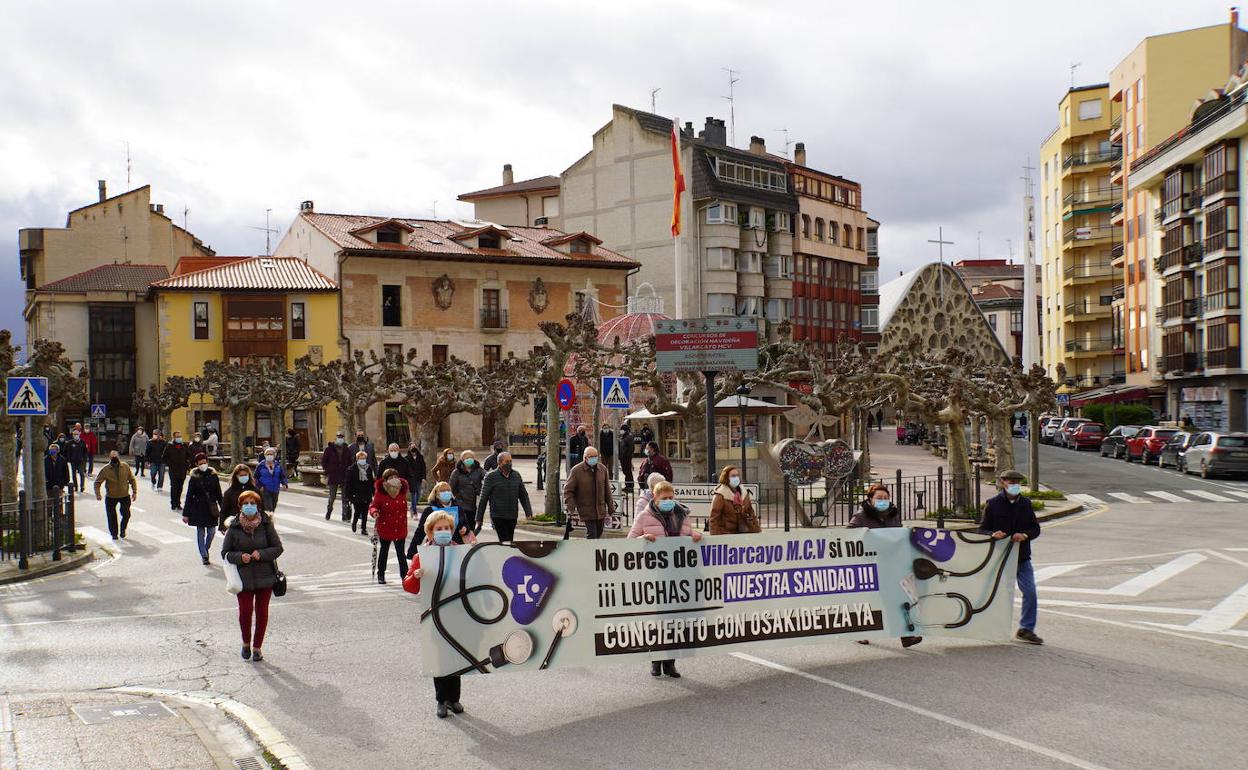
[(279, 582)]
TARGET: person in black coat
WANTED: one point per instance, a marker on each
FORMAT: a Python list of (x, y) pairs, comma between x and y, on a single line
[(361, 483), (76, 453), (177, 462), (416, 461), (203, 504), (878, 512), (466, 481), (55, 471), (156, 448), (292, 449), (626, 449), (1009, 514), (577, 445), (606, 448), (240, 482)]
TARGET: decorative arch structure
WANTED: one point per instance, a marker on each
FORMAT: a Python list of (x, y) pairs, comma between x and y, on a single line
[(931, 310)]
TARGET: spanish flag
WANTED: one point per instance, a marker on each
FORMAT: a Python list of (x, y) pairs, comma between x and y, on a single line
[(678, 179)]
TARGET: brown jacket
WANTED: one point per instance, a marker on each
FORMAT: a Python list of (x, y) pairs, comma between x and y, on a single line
[(728, 517), (588, 492), (117, 480), (443, 468)]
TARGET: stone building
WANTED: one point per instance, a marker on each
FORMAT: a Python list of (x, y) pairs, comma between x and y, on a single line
[(930, 310)]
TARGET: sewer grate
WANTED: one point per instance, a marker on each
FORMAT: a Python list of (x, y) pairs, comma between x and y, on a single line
[(110, 712), (252, 763)]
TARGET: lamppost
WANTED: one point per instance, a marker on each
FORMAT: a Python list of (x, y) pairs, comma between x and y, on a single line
[(743, 392)]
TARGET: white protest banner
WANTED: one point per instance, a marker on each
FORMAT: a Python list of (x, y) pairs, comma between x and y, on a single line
[(553, 604)]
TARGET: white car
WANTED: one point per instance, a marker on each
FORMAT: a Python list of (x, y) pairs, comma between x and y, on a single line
[(1213, 453)]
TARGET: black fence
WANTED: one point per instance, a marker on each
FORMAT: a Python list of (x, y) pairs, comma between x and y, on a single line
[(30, 527), (831, 503)]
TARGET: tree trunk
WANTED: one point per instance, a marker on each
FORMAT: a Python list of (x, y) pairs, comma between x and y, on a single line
[(695, 439), (552, 451), (8, 462), (347, 415), (959, 463), (428, 437), (864, 463), (1003, 442), (278, 421), (501, 418), (238, 434)]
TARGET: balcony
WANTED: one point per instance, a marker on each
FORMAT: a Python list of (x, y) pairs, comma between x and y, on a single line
[(1181, 362), (1221, 300), (1185, 256), (494, 320), (1226, 240), (1088, 235), (1119, 292), (1092, 197), (1227, 358), (1192, 308), (1090, 346), (1220, 184), (1116, 251), (1087, 309), (1115, 127), (1089, 271), (1118, 377), (1078, 159)]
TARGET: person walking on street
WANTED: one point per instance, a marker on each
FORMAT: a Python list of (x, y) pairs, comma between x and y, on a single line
[(271, 479), (251, 542), (441, 500), (336, 460), (732, 506), (360, 486), (647, 493), (389, 511), (879, 419), (56, 477), (466, 481), (292, 449), (606, 449), (587, 493), (656, 462), (240, 482), (646, 435), (178, 462), (155, 456), (197, 445), (138, 450), (439, 529), (625, 452), (395, 459), (664, 517), (577, 445), (203, 504), (878, 512), (1009, 514), (491, 460), (120, 489), (212, 442), (92, 441), (503, 493), (445, 465), (416, 463), (76, 453), (362, 444)]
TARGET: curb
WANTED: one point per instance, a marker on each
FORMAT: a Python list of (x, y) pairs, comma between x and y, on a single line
[(52, 568), (261, 730)]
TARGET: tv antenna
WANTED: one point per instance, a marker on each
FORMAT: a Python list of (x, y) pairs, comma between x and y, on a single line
[(127, 144), (186, 210), (1074, 66), (732, 103), (268, 231), (787, 143), (653, 101)]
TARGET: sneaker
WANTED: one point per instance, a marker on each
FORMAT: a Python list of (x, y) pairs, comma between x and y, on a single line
[(910, 641), (205, 558), (1028, 636)]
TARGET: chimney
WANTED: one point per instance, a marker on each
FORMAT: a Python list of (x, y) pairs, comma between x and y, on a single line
[(757, 145), (1235, 16), (508, 176), (688, 128), (160, 208), (715, 133), (799, 153), (103, 190), (306, 207)]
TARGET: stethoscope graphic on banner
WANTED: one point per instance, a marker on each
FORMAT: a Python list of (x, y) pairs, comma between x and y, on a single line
[(925, 569), (517, 647)]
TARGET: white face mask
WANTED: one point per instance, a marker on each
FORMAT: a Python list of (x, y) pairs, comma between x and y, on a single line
[(450, 458), (394, 455), (393, 483), (269, 456), (203, 467), (734, 481)]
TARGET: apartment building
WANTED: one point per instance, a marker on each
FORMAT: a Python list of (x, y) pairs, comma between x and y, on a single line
[(1079, 242), (996, 286), (1193, 181)]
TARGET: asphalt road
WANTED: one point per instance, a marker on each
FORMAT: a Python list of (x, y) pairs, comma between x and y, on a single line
[(1145, 665)]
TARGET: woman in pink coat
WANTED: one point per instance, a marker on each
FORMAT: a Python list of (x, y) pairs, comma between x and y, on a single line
[(663, 517)]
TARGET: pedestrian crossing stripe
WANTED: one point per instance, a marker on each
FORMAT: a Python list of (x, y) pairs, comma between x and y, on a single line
[(1209, 496), (615, 393), (1199, 495)]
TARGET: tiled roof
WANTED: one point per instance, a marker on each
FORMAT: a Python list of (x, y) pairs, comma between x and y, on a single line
[(115, 277), (253, 274), (436, 239), (629, 327), (523, 186), (996, 291)]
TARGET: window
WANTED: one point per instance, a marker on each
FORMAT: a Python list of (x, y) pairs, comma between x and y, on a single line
[(721, 259), (751, 175), (488, 241), (390, 305), (749, 306), (389, 235), (491, 309), (834, 233), (992, 321), (805, 225), (1090, 109), (264, 426), (849, 237), (721, 214), (758, 218), (870, 318), (778, 267), (201, 320), (861, 234), (818, 229), (392, 350), (298, 321), (868, 281), (781, 221), (550, 206), (777, 310), (749, 262), (1016, 321), (492, 355), (579, 246), (720, 304), (439, 354)]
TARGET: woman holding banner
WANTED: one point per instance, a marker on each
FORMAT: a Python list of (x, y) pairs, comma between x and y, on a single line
[(878, 512), (664, 517), (732, 507)]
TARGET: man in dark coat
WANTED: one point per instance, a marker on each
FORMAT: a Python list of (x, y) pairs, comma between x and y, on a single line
[(503, 493), (1009, 514), (76, 454), (587, 493), (335, 460), (577, 445), (178, 462), (625, 446), (55, 471), (155, 452), (606, 448), (416, 462)]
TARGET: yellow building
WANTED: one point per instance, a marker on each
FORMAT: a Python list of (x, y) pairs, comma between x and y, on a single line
[(246, 309), (1078, 242)]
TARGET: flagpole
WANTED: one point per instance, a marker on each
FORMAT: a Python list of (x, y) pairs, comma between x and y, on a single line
[(676, 262)]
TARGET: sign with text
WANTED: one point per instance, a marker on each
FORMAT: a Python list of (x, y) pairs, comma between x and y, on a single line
[(557, 604), (697, 497), (707, 344)]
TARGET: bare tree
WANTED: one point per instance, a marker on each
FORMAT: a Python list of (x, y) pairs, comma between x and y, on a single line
[(504, 386), (358, 382), (433, 392), (576, 335), (999, 391), (234, 388), (173, 395), (286, 390)]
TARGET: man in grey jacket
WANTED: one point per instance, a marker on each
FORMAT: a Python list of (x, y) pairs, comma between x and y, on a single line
[(503, 493), (138, 448)]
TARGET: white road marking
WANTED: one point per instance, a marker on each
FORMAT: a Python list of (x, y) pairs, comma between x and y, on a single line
[(1142, 582), (1129, 498), (1225, 615), (144, 616), (1053, 570), (156, 533), (1209, 495), (1237, 492), (985, 732), (95, 535), (1156, 628), (1169, 497), (1086, 499), (1123, 607)]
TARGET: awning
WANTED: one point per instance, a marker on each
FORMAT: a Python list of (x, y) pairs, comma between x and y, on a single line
[(729, 405), (646, 414), (1112, 393)]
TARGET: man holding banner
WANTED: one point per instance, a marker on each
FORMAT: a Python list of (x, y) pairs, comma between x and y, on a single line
[(1009, 514)]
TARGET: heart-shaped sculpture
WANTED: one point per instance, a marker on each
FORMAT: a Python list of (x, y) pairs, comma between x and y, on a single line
[(804, 462)]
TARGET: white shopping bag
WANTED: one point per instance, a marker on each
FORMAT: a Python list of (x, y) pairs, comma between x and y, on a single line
[(233, 580)]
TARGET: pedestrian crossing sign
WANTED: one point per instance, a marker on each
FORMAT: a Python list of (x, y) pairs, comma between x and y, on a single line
[(616, 393), (27, 396), (99, 411)]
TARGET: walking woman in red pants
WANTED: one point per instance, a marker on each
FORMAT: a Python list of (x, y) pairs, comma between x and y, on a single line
[(251, 543)]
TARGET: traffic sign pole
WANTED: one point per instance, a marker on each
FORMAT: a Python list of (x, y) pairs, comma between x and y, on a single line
[(710, 425), (28, 466)]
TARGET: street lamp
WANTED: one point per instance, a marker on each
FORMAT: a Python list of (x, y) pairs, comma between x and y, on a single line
[(743, 392)]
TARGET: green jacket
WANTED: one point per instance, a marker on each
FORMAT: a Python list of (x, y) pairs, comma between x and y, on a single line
[(504, 495)]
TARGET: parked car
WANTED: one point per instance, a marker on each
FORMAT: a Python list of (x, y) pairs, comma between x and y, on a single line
[(1114, 445), (1086, 436), (1146, 445), (1067, 427), (1048, 426), (1213, 453), (1175, 450)]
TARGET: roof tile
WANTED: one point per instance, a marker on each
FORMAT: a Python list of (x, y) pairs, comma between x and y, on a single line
[(253, 274), (114, 277)]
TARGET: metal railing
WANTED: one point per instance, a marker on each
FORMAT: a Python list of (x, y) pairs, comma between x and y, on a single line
[(1226, 358), (1088, 158), (1086, 308), (493, 319), (1188, 254), (1099, 194), (1120, 291), (1235, 100), (1090, 345), (1087, 233), (31, 527), (1116, 250), (1090, 270)]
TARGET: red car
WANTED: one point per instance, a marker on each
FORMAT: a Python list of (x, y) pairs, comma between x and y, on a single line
[(1146, 445), (1087, 436)]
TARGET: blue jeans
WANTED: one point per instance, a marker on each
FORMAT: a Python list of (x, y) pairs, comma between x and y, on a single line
[(1027, 586), (158, 475), (203, 538), (416, 494)]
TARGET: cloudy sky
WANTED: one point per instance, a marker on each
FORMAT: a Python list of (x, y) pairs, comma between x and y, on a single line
[(231, 108)]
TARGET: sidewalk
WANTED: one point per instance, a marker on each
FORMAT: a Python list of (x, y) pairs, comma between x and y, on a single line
[(41, 565), (887, 457), (101, 730)]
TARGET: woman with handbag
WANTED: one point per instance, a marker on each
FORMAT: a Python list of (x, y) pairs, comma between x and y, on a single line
[(389, 509), (202, 509), (252, 544), (732, 506)]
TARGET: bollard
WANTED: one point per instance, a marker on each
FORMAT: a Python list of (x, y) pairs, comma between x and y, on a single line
[(940, 497), (897, 490), (786, 503), (23, 531), (71, 524), (54, 509), (977, 491)]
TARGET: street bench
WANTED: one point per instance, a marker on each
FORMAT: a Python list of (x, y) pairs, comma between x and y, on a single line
[(312, 476)]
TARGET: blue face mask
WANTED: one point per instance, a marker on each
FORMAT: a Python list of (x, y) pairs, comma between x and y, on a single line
[(591, 461), (1014, 490), (667, 505), (442, 537), (882, 505), (469, 462), (250, 509), (445, 497), (244, 479)]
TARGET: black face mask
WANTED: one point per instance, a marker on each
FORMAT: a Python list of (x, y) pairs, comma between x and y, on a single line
[(505, 467), (113, 461)]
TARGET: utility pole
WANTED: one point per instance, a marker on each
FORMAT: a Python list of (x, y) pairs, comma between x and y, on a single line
[(653, 101), (268, 231), (127, 163), (732, 104)]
